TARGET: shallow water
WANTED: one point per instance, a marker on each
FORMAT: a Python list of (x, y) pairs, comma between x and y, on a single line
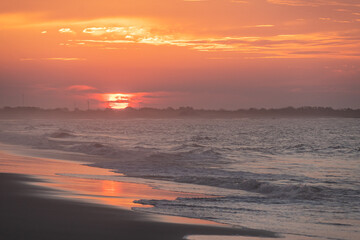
[(299, 177)]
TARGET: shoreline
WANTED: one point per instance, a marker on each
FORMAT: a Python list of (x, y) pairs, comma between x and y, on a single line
[(36, 205)]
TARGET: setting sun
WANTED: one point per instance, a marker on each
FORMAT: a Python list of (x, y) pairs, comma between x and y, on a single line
[(117, 100)]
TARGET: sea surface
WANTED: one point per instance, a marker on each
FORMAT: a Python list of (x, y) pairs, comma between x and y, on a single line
[(298, 177)]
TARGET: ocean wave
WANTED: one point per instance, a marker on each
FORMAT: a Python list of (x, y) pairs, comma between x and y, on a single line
[(61, 134), (285, 191), (198, 159), (186, 146), (199, 203), (197, 166), (63, 140), (199, 138)]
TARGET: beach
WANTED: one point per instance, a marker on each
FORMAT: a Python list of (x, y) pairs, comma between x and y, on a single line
[(38, 203)]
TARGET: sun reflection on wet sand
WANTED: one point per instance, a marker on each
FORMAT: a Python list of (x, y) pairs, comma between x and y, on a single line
[(111, 193), (111, 188)]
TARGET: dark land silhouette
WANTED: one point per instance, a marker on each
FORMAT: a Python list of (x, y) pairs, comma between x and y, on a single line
[(182, 112)]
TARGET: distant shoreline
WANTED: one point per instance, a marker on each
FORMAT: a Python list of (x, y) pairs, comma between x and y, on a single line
[(182, 112)]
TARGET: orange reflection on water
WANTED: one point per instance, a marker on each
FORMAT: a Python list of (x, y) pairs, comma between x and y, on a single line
[(111, 188)]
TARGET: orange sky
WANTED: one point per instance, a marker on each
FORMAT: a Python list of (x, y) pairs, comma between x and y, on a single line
[(201, 53)]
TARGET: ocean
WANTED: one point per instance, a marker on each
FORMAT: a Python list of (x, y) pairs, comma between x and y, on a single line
[(299, 177)]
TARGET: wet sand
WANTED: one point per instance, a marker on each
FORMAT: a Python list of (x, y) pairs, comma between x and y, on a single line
[(35, 203)]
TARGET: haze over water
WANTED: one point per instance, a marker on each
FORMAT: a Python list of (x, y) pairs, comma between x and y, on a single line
[(298, 177)]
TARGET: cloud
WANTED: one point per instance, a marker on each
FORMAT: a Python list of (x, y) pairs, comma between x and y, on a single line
[(128, 32), (117, 41), (317, 3), (251, 40), (322, 44), (53, 59), (311, 52), (240, 1), (95, 30), (83, 89), (264, 25), (195, 0), (64, 59), (155, 95), (66, 30), (341, 21)]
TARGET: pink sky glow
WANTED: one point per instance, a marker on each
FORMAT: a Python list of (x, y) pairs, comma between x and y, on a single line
[(206, 54)]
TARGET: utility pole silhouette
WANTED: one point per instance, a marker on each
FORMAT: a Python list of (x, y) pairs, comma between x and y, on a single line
[(88, 104), (23, 99)]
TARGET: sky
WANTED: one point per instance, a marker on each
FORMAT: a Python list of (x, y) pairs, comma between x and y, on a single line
[(210, 54)]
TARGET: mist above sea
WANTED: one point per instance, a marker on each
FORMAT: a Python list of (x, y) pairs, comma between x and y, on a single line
[(181, 112)]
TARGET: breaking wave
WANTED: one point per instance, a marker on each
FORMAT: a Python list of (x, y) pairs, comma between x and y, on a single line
[(61, 134), (194, 161)]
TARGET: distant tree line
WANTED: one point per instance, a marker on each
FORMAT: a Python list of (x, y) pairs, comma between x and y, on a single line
[(182, 112)]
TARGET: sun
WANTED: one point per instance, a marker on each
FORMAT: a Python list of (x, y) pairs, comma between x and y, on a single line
[(117, 100)]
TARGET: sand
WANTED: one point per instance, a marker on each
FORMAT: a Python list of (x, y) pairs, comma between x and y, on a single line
[(35, 204)]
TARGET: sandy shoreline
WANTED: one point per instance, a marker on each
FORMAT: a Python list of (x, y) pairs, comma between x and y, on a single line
[(31, 208)]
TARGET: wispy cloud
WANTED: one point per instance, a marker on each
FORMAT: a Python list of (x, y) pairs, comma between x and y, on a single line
[(322, 45), (195, 0), (128, 31), (66, 30), (116, 41), (334, 20), (259, 40), (64, 59), (317, 3), (82, 88), (264, 25), (240, 1), (53, 59)]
